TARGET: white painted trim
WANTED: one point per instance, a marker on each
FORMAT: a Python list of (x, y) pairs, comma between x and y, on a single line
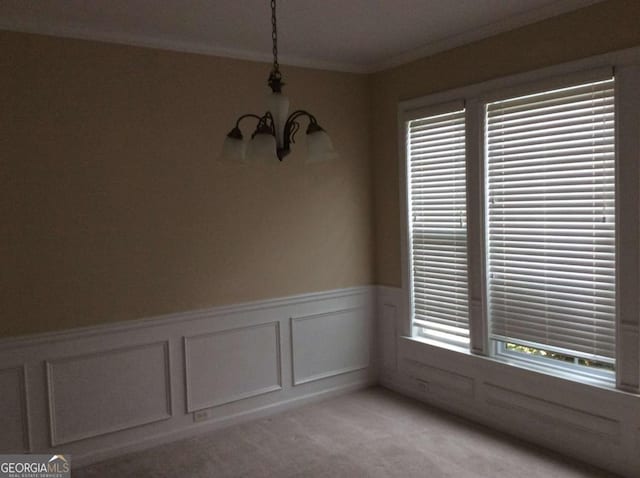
[(301, 318), (626, 64), (588, 421), (393, 313), (39, 354), (332, 373), (547, 11), (55, 441), (181, 46), (328, 374), (463, 386), (618, 58), (554, 413), (386, 290), (433, 110), (219, 423), (254, 393), (476, 228), (177, 318), (24, 404), (403, 175), (26, 415), (627, 120), (551, 82), (185, 46)]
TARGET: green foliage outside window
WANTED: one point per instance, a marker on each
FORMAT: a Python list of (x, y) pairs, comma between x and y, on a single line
[(558, 356)]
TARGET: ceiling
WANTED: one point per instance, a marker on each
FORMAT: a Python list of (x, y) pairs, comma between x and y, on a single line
[(349, 35)]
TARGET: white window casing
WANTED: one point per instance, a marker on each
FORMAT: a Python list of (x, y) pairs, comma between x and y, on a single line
[(551, 219), (436, 178), (605, 324)]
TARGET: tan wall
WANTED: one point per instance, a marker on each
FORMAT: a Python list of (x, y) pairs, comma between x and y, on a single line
[(114, 208), (602, 27)]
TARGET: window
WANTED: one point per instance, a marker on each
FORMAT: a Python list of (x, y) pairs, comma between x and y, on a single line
[(551, 223), (437, 206), (521, 237)]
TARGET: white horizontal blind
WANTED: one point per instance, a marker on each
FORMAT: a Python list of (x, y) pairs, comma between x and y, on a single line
[(438, 232), (551, 219)]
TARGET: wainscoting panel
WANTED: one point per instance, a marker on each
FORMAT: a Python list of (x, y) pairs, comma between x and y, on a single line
[(440, 382), (230, 365), (630, 363), (389, 333), (98, 392), (108, 391), (14, 426), (596, 424), (552, 413), (328, 344)]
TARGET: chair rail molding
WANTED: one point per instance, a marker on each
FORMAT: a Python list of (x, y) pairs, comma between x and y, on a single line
[(101, 391)]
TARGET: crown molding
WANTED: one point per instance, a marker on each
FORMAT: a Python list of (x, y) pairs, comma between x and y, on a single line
[(182, 46), (186, 46), (486, 31)]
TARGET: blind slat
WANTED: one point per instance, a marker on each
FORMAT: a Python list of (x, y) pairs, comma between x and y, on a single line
[(437, 212), (551, 219)]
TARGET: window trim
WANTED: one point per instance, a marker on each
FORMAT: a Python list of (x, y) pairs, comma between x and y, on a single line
[(627, 104), (431, 111), (553, 367), (602, 75)]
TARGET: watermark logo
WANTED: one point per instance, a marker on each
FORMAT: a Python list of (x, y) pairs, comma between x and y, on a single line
[(35, 466)]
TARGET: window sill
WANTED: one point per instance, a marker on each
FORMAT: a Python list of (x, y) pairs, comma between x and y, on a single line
[(577, 376), (438, 345), (515, 365)]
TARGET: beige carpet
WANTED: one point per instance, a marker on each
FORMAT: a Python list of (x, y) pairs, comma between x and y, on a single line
[(372, 433)]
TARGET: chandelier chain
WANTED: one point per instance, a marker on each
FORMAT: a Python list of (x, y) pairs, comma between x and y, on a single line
[(274, 37)]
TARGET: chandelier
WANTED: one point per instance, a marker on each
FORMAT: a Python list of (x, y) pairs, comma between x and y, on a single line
[(275, 130)]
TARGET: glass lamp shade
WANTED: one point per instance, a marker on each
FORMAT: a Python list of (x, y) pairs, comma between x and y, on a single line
[(233, 150), (319, 145), (262, 148), (278, 106)]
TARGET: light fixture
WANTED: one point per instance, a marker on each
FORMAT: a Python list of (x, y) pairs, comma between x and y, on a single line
[(276, 129)]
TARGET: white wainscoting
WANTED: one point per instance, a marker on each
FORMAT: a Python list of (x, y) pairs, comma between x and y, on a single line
[(102, 391), (14, 421), (439, 382), (108, 391), (226, 366), (388, 329), (567, 417), (350, 335), (596, 425)]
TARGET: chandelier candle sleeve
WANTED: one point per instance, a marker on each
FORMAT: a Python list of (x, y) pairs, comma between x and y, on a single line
[(276, 129)]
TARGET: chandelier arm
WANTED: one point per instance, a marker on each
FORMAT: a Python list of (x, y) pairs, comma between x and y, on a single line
[(265, 121), (248, 115), (290, 128), (295, 126), (296, 114), (265, 125)]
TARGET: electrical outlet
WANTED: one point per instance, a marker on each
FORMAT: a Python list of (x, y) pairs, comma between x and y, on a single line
[(201, 415)]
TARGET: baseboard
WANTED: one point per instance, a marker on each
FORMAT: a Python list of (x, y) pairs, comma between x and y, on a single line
[(242, 417), (97, 392), (100, 392), (593, 424)]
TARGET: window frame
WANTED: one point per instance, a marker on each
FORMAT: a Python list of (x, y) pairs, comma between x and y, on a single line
[(626, 64), (498, 347), (411, 115)]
